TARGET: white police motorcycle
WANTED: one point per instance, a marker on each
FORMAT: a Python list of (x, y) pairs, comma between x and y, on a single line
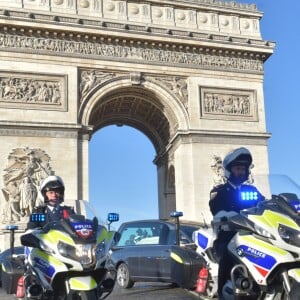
[(265, 248), (66, 259)]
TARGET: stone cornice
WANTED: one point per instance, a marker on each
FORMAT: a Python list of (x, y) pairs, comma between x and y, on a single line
[(90, 29), (240, 21), (216, 136), (219, 4), (212, 137), (44, 125), (43, 129)]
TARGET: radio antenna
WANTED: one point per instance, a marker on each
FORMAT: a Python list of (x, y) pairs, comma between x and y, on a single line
[(204, 222)]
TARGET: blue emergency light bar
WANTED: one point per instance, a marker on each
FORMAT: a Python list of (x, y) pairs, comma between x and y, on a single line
[(12, 227), (176, 214), (248, 196), (113, 217), (37, 217)]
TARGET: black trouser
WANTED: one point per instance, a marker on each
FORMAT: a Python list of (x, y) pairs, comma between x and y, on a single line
[(225, 260)]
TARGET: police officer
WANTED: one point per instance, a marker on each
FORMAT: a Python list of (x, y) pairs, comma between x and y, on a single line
[(227, 197), (52, 190)]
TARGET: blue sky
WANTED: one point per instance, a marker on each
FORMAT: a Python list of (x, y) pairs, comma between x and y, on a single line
[(122, 174)]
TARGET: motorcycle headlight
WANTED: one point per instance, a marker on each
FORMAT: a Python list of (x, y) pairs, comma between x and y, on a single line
[(84, 253), (261, 231), (289, 235), (46, 248), (100, 250)]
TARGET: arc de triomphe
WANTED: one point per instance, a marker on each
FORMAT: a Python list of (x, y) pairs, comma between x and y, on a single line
[(187, 73)]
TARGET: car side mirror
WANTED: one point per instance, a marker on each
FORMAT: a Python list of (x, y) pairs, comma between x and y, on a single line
[(117, 237)]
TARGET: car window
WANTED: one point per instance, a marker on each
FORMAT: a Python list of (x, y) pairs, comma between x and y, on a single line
[(186, 232), (144, 233)]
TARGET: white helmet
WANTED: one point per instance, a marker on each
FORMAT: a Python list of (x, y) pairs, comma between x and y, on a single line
[(52, 183), (239, 156)]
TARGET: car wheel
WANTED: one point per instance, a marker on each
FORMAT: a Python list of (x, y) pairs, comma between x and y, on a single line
[(123, 277)]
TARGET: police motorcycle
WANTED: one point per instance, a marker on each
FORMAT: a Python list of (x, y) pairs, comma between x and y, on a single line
[(66, 259), (265, 248)]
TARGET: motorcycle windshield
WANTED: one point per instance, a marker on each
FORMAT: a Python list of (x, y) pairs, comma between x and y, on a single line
[(279, 186), (85, 208), (85, 222)]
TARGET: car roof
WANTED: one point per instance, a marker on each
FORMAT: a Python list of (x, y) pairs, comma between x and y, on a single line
[(169, 221)]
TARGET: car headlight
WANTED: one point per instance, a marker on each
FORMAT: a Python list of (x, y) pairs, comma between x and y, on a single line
[(289, 235), (84, 253)]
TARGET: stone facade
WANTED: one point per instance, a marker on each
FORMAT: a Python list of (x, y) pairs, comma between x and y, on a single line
[(189, 74)]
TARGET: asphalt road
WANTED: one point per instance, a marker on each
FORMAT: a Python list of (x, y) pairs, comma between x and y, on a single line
[(140, 291)]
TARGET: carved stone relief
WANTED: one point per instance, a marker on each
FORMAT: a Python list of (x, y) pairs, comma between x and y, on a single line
[(25, 170), (91, 78), (228, 104), (174, 84), (139, 51), (178, 86), (34, 91), (218, 170)]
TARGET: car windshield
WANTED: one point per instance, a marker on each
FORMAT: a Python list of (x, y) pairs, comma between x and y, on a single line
[(141, 233)]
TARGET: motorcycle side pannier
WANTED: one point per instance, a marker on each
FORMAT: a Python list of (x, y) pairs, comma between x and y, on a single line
[(12, 270), (185, 269)]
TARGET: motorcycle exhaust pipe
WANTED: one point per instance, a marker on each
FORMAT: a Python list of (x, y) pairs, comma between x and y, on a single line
[(34, 291)]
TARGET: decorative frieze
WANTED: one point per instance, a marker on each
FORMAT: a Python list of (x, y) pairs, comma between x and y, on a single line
[(228, 104), (33, 91), (136, 51)]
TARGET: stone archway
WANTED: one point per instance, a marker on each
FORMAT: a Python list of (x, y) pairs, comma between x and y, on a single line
[(147, 106), (189, 74)]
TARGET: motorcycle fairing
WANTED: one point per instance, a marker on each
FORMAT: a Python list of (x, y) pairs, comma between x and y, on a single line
[(104, 235), (82, 283), (53, 237), (260, 257), (272, 219), (46, 266), (294, 273)]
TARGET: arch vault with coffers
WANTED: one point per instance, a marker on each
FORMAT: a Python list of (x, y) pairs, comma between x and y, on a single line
[(146, 106), (188, 74)]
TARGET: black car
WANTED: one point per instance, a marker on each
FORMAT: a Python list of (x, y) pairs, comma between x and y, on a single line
[(148, 251)]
